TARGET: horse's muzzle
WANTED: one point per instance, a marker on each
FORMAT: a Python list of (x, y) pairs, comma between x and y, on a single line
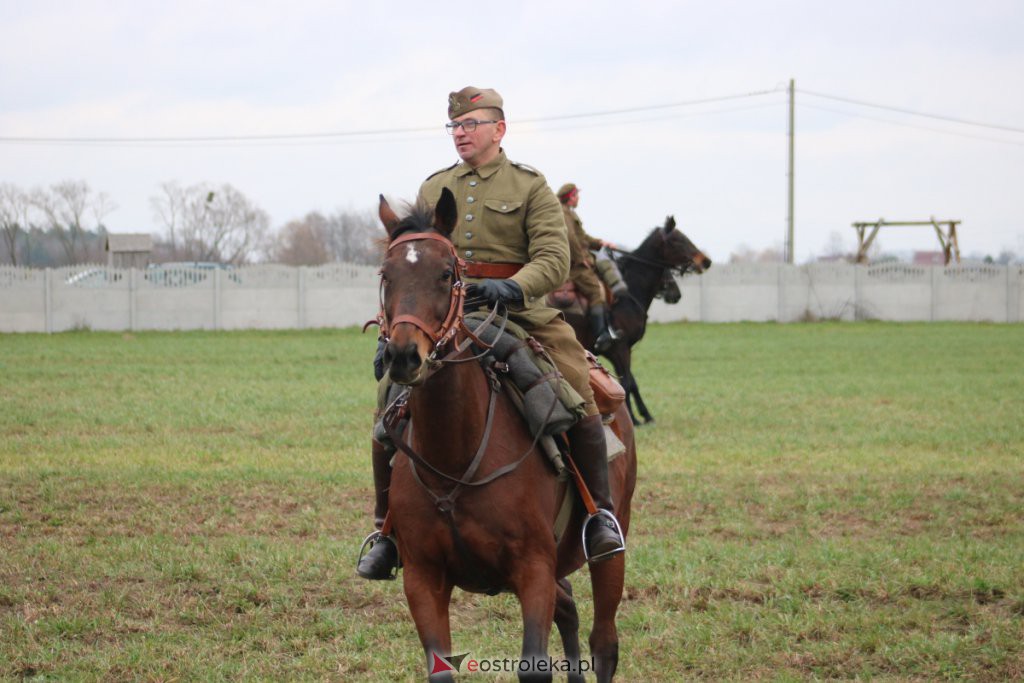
[(404, 363)]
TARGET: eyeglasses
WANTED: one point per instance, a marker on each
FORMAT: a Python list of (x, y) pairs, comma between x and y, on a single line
[(469, 125)]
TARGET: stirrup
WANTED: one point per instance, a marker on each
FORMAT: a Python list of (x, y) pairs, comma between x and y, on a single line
[(373, 539), (605, 555)]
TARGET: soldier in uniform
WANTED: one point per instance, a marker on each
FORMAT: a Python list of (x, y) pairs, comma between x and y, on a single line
[(513, 237), (583, 266)]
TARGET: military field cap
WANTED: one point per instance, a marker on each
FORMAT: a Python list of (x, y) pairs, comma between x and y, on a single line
[(566, 190), (470, 99)]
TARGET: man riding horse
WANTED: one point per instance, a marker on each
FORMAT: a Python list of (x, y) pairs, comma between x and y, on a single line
[(584, 269), (513, 237)]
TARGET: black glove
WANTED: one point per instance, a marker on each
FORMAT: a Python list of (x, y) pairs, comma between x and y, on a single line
[(494, 291), (378, 360)]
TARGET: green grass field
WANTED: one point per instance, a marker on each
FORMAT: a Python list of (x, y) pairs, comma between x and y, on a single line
[(834, 500)]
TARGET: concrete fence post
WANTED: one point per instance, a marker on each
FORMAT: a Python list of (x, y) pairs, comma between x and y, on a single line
[(216, 298), (132, 286), (1013, 293), (858, 294), (702, 316), (780, 297), (48, 300), (300, 301)]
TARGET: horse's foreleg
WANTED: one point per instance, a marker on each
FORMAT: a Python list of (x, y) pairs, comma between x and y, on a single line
[(567, 620), (640, 402), (429, 595), (621, 362), (607, 579), (629, 385), (535, 588)]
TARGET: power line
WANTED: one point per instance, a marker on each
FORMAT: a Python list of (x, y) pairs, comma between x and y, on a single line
[(909, 125), (911, 111), (299, 137)]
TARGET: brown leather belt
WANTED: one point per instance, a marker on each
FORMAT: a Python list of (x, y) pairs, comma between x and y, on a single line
[(496, 270)]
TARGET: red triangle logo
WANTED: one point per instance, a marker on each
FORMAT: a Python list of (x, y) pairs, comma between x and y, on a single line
[(440, 665)]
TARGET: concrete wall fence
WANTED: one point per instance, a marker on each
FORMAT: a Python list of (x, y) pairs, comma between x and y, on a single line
[(342, 295)]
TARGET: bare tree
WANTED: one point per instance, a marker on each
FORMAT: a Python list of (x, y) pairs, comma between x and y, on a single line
[(344, 236), (745, 254), (303, 242), (15, 218), (205, 222), (353, 236), (66, 207)]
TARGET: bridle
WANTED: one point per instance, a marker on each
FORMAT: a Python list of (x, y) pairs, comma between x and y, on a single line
[(453, 320), (682, 268)]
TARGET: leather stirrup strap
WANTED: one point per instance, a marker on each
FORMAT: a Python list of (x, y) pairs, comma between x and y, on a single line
[(588, 500)]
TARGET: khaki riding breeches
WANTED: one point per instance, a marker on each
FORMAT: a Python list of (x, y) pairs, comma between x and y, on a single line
[(587, 283), (558, 338)]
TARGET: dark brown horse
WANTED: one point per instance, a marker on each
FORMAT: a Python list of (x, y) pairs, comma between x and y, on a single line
[(472, 499), (648, 272)]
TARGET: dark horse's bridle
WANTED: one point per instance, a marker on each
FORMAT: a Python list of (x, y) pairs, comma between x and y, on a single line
[(682, 268)]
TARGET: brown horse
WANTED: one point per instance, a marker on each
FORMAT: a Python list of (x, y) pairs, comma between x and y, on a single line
[(648, 273), (473, 500)]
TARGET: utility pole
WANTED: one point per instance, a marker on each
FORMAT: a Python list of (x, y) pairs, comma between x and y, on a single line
[(789, 221)]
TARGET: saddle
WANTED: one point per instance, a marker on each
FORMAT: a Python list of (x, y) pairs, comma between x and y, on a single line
[(570, 299)]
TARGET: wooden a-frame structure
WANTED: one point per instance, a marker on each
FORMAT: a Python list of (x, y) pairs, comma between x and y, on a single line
[(950, 247)]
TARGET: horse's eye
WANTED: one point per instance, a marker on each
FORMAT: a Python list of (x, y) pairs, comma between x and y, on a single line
[(447, 275)]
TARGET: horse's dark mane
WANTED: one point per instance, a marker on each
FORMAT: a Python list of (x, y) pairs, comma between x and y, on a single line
[(649, 239), (648, 245)]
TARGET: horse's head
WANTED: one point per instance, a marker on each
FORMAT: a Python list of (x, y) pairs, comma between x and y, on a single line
[(677, 249), (421, 287)]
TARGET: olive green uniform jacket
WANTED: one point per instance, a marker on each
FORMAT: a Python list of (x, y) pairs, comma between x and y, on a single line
[(581, 269), (508, 214), (580, 243)]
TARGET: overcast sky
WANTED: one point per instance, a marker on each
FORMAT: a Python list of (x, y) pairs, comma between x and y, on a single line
[(88, 69)]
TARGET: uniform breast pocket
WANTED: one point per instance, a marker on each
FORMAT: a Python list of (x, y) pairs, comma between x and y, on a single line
[(503, 215)]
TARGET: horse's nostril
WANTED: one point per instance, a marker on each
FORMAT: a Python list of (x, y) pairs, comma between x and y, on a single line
[(403, 361)]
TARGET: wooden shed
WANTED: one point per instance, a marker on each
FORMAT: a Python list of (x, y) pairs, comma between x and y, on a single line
[(128, 250)]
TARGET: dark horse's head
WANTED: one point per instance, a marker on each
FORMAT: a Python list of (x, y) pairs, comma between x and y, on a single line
[(675, 249), (421, 286)]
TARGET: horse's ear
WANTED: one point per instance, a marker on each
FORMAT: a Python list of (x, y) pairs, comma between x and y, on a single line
[(387, 216), (445, 213), (670, 224)]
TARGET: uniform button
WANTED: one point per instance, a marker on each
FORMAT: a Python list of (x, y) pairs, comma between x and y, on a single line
[(469, 235), (504, 207), (469, 253), (469, 216), (472, 183), (470, 200)]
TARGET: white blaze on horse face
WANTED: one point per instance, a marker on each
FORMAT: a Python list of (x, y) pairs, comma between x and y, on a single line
[(411, 255)]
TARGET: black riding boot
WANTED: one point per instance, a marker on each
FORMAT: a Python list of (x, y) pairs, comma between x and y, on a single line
[(603, 336), (590, 453), (381, 561)]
